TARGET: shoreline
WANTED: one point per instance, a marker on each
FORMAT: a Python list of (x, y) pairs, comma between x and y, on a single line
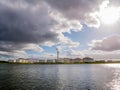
[(64, 63)]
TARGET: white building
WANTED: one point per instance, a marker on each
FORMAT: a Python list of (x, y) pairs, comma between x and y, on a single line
[(41, 61), (76, 60), (22, 60), (51, 60), (12, 61), (59, 61), (66, 60)]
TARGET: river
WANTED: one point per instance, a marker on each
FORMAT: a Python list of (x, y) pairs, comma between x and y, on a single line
[(60, 77)]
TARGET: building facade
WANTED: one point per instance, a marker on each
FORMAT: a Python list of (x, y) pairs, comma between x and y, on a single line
[(88, 59)]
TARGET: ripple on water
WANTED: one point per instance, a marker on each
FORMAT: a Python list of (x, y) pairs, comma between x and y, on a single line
[(60, 77)]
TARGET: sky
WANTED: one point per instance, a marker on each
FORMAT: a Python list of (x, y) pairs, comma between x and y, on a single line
[(78, 28)]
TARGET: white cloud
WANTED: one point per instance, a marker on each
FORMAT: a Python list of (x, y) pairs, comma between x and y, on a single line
[(74, 54), (67, 42), (48, 43), (102, 55), (43, 22), (63, 24), (33, 47), (110, 43), (79, 10), (13, 55)]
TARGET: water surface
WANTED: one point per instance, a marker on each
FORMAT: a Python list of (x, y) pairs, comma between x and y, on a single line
[(60, 77)]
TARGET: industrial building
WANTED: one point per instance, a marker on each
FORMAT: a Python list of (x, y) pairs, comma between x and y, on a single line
[(88, 59)]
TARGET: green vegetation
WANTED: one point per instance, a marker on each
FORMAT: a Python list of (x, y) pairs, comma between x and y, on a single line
[(96, 62), (67, 63), (3, 61)]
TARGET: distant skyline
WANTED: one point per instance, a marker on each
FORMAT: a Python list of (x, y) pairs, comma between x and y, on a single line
[(78, 28)]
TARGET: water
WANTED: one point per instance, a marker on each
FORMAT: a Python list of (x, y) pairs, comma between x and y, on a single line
[(60, 77)]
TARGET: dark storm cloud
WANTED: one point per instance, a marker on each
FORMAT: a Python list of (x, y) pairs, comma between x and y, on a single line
[(10, 46), (19, 25), (75, 9)]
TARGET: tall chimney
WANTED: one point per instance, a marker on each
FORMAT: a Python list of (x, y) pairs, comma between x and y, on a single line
[(57, 53)]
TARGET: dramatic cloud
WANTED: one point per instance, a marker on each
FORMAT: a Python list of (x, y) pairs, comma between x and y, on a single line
[(27, 24), (16, 54), (63, 24), (77, 10), (31, 24), (107, 44), (66, 42), (22, 25)]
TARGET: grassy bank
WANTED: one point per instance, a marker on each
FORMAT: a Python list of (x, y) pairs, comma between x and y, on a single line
[(96, 62), (68, 63), (4, 62)]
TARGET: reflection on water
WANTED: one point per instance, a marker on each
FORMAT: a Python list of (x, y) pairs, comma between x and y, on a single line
[(112, 65), (115, 83), (60, 77)]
